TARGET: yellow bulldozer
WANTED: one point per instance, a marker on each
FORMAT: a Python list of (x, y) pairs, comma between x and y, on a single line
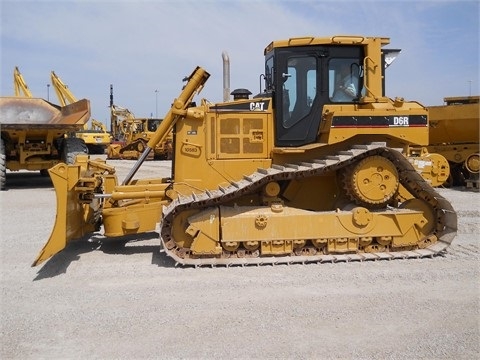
[(294, 174), (131, 135)]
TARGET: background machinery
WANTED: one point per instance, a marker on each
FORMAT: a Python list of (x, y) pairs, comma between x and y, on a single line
[(454, 133), (288, 176), (131, 135), (34, 132), (20, 85), (97, 137)]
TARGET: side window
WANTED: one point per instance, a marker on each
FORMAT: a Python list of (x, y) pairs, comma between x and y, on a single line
[(289, 92), (299, 88), (345, 79), (269, 74)]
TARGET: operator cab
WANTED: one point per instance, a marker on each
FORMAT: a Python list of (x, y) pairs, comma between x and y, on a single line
[(302, 79)]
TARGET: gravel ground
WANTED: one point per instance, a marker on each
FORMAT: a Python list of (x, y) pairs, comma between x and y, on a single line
[(97, 301)]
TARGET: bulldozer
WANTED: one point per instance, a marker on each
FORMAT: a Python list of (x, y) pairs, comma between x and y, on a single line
[(131, 135), (96, 137), (291, 175)]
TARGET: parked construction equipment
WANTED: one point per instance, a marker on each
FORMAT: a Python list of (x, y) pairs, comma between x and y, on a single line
[(454, 133), (96, 137), (35, 132), (131, 135), (20, 85), (292, 175)]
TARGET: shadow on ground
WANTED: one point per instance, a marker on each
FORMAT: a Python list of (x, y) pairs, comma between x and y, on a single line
[(128, 245), (27, 180)]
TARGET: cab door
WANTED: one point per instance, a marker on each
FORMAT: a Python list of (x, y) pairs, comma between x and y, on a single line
[(297, 96)]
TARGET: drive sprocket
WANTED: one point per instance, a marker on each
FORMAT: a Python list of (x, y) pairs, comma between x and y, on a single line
[(373, 181)]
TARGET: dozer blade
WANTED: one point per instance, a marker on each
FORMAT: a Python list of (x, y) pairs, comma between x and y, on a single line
[(73, 219)]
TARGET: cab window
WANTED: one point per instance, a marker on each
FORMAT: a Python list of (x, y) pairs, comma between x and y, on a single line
[(345, 79), (299, 88)]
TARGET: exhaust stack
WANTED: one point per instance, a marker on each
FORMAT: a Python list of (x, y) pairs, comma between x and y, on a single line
[(226, 76)]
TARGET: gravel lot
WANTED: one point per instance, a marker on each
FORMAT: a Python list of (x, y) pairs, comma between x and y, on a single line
[(97, 301)]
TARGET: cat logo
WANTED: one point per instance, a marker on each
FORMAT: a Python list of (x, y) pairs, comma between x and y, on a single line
[(257, 106)]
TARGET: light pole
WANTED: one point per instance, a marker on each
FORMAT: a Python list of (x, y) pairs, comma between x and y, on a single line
[(156, 104), (48, 92), (470, 88)]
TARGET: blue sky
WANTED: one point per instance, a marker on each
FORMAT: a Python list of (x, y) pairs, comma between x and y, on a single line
[(141, 46)]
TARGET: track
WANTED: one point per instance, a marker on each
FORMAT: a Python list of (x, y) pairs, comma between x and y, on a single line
[(3, 168), (446, 218)]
